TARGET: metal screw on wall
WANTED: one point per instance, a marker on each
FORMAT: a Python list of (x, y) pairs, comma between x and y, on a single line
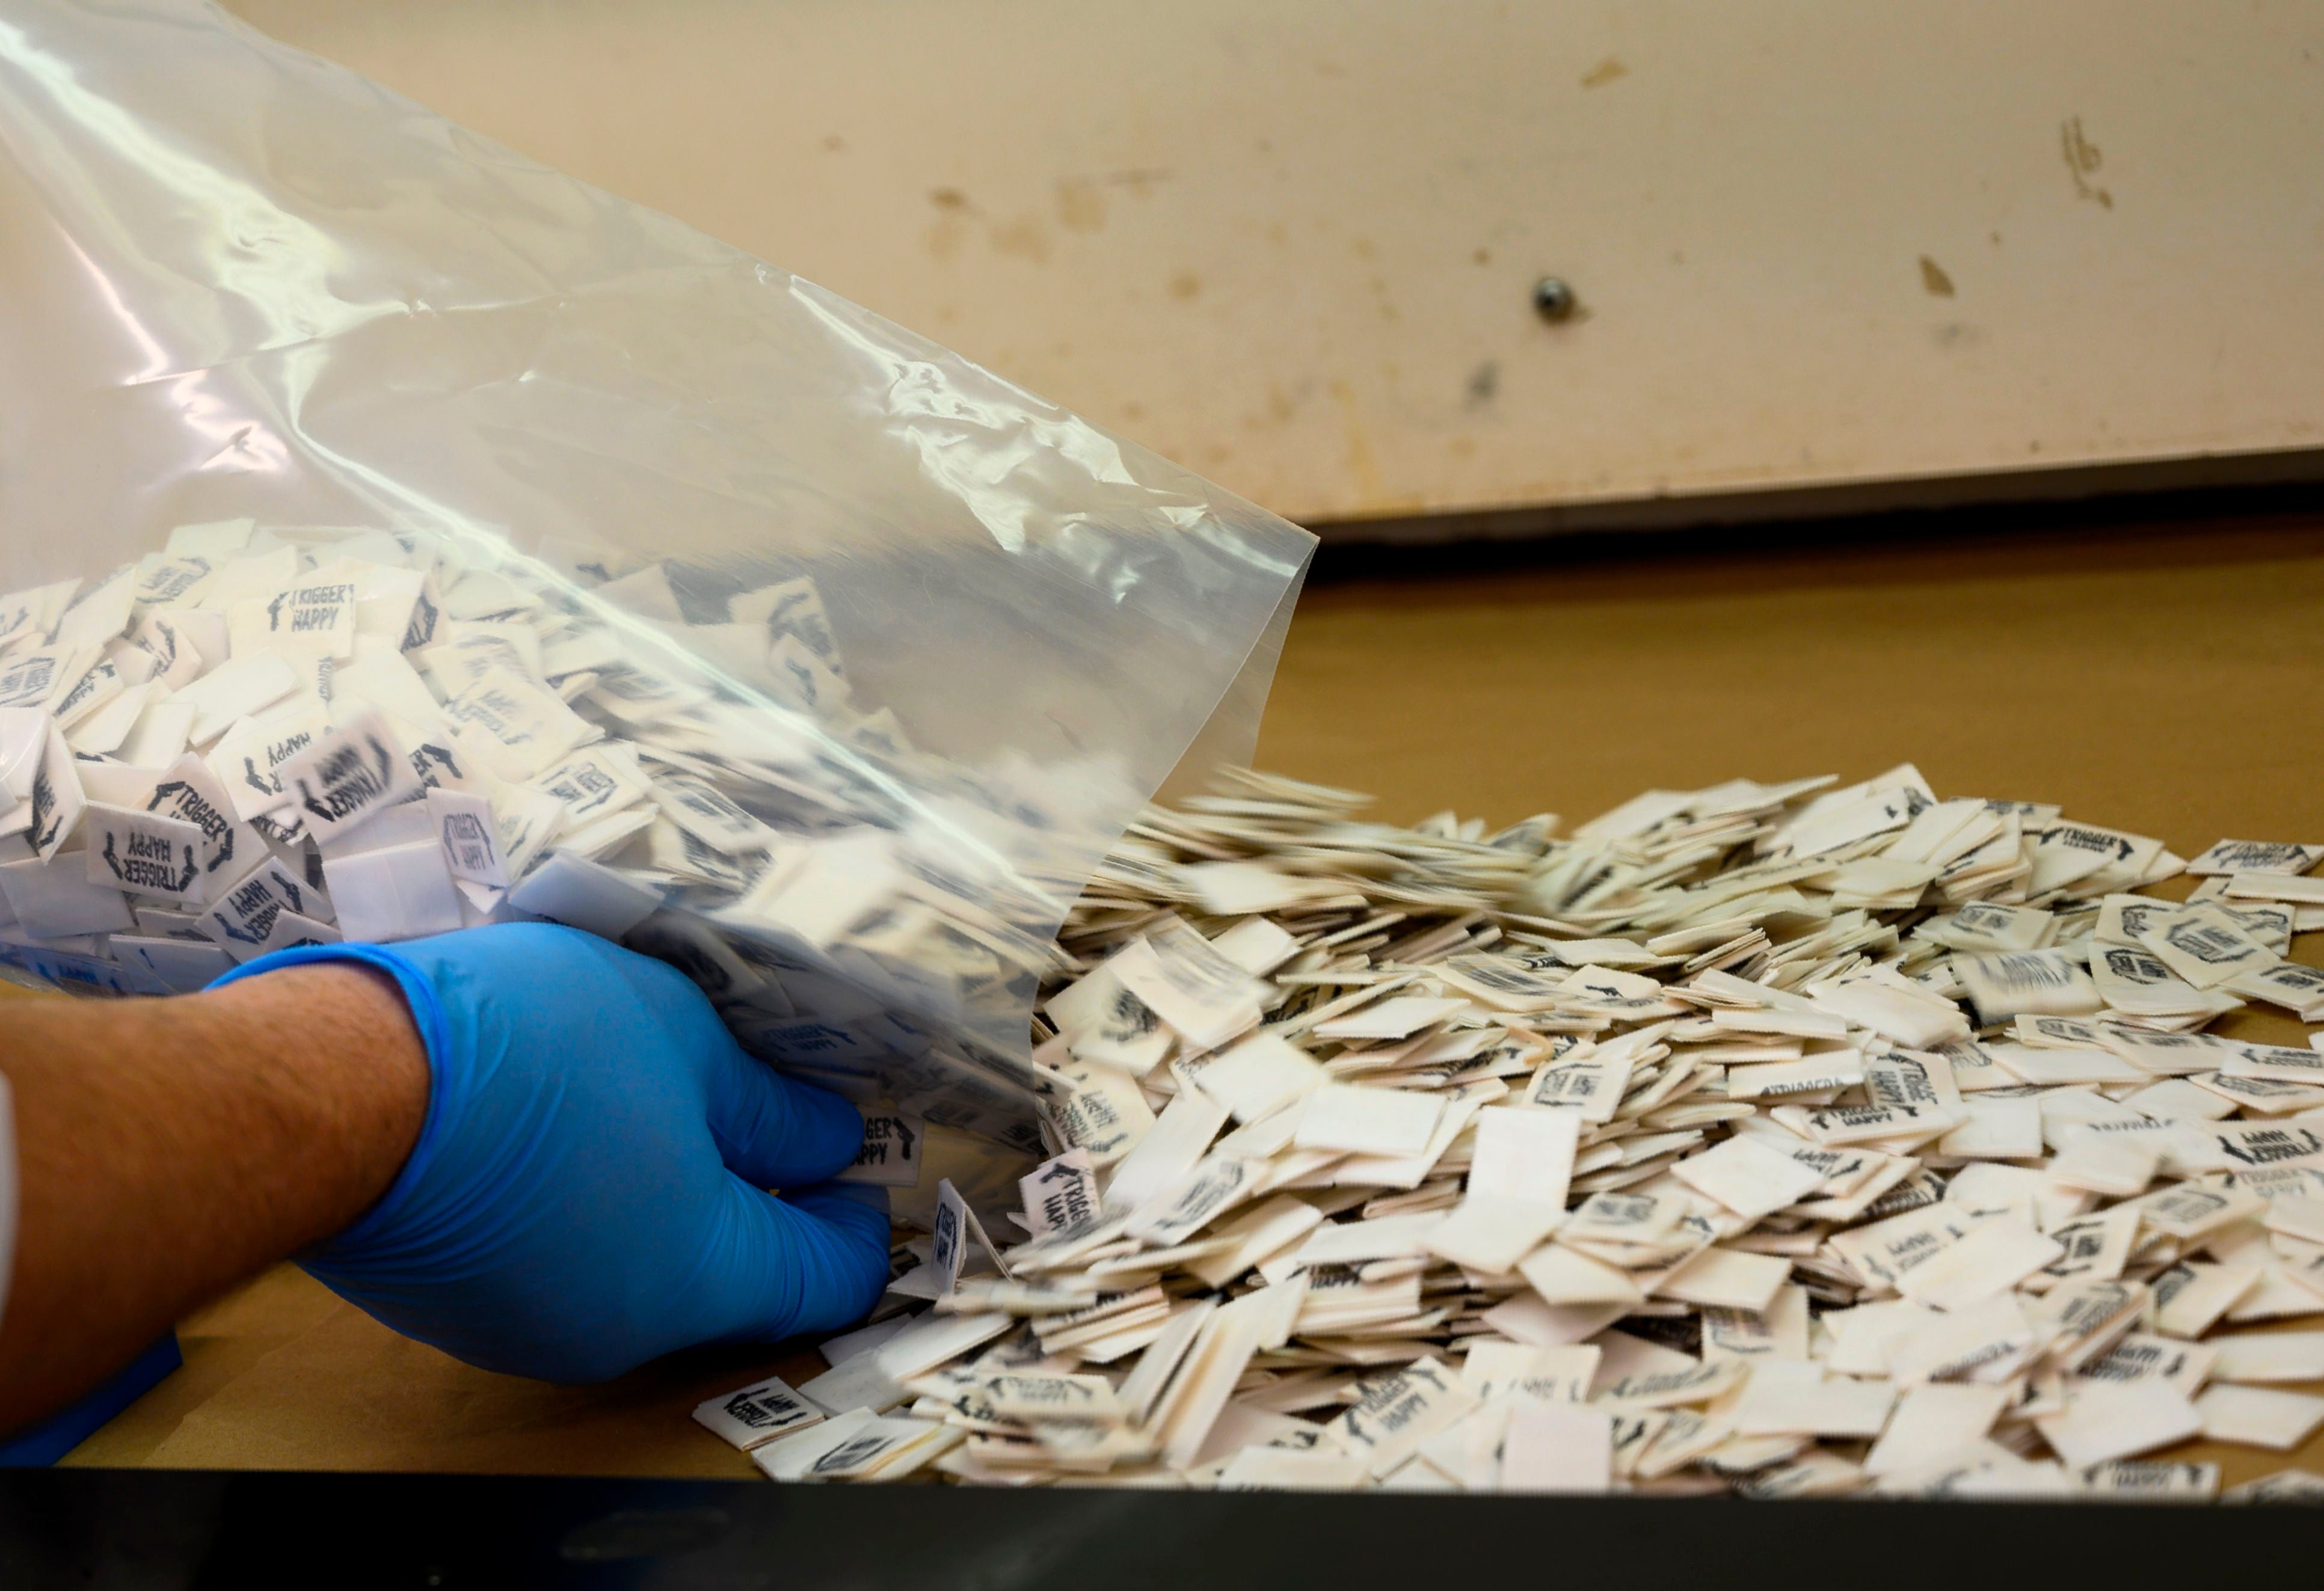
[(1552, 299)]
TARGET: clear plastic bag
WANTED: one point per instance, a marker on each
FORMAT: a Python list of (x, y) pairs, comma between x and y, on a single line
[(943, 637)]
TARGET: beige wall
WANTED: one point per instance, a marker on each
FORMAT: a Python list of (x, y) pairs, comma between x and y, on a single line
[(1816, 243)]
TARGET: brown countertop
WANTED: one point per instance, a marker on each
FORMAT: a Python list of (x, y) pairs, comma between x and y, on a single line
[(2163, 679)]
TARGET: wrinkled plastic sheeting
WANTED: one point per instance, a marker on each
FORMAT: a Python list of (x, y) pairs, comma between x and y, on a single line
[(242, 281)]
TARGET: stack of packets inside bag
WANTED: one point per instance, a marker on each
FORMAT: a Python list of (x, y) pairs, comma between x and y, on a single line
[(262, 737), (1780, 1139)]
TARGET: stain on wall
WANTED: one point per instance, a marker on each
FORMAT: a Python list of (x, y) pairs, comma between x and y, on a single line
[(2083, 160)]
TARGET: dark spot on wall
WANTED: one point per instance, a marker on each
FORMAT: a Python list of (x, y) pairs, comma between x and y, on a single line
[(1025, 236), (2083, 160), (1080, 204)]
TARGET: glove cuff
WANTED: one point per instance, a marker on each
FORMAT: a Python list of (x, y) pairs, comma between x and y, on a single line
[(435, 1032)]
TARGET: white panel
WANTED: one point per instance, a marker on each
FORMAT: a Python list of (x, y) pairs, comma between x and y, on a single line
[(1292, 245)]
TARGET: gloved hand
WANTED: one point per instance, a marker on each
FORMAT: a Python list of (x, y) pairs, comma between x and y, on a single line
[(586, 1191)]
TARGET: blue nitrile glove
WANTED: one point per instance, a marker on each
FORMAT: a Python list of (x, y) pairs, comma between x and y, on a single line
[(586, 1191)]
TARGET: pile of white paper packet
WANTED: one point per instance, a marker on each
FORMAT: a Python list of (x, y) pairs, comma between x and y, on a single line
[(1786, 1139), (260, 737)]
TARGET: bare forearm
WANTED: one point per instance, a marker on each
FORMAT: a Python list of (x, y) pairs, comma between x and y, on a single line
[(169, 1148)]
